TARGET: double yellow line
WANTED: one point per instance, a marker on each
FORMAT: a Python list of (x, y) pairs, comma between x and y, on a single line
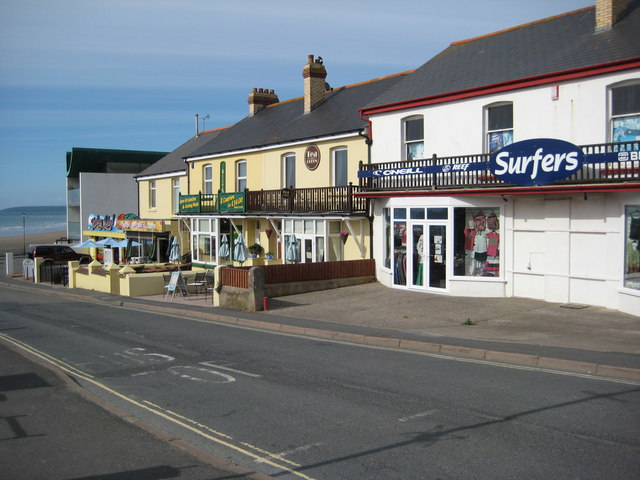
[(256, 453)]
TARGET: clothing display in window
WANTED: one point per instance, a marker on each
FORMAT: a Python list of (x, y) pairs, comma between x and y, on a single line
[(482, 245)]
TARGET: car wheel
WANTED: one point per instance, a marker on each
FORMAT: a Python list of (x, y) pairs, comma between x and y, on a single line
[(85, 261)]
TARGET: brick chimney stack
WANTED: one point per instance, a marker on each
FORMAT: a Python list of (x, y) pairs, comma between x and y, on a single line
[(314, 74), (608, 13), (259, 98)]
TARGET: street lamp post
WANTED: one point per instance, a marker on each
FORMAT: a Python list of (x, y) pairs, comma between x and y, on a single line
[(24, 234)]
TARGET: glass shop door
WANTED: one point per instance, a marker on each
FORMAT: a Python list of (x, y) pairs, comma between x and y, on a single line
[(426, 265)]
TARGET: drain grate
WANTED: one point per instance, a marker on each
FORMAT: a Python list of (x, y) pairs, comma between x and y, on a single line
[(574, 306)]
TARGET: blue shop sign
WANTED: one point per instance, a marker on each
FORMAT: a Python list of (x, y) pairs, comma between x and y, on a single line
[(539, 161), (536, 162)]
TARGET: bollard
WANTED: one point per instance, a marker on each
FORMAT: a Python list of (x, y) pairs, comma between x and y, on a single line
[(265, 303), (9, 262)]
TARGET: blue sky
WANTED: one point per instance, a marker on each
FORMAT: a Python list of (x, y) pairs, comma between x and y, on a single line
[(132, 74)]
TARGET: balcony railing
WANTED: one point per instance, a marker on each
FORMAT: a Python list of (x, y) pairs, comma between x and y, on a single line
[(322, 200), (590, 173)]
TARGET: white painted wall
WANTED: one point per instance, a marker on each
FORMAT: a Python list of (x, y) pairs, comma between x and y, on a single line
[(557, 248), (579, 116)]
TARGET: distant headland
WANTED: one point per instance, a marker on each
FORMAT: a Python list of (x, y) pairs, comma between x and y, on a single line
[(36, 210)]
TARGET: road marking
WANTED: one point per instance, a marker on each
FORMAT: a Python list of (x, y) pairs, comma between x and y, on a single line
[(417, 415), (177, 371), (45, 356), (157, 410), (240, 372)]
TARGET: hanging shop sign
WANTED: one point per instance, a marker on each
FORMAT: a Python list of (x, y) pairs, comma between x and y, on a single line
[(538, 161), (312, 157), (231, 202)]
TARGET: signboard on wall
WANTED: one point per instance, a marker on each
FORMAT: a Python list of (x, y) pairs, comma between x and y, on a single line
[(102, 223), (189, 203), (312, 157), (232, 202), (223, 176), (141, 225)]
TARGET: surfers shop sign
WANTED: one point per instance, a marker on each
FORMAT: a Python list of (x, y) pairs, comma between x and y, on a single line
[(538, 161)]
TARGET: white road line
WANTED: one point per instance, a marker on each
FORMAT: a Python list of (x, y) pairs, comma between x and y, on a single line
[(240, 372), (417, 415)]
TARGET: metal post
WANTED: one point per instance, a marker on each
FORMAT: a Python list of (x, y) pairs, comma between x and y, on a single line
[(24, 234)]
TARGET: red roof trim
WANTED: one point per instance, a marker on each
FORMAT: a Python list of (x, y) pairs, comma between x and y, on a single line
[(536, 80), (564, 189)]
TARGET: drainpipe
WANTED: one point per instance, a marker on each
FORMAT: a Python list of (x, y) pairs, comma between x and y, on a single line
[(366, 133)]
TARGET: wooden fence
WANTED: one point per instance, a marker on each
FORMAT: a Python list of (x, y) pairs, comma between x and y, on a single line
[(300, 272)]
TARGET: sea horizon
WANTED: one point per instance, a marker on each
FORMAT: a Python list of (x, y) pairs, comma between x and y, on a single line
[(15, 224)]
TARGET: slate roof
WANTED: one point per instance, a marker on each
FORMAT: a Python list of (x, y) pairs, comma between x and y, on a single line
[(286, 122), (561, 43), (173, 162)]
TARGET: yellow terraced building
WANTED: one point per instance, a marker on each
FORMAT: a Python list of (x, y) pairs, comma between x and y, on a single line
[(284, 178)]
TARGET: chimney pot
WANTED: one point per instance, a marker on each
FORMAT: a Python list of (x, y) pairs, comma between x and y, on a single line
[(314, 74), (259, 98)]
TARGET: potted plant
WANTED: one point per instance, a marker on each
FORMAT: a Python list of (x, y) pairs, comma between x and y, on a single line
[(255, 250), (269, 255), (344, 235)]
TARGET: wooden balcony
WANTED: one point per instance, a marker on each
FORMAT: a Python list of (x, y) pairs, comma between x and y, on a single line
[(321, 200), (592, 173)]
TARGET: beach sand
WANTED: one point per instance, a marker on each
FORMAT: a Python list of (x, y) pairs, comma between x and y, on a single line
[(16, 244)]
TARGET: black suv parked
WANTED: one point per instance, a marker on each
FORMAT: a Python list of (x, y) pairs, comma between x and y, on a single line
[(59, 254)]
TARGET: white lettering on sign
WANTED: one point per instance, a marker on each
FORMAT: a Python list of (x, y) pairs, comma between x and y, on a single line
[(547, 163), (397, 171)]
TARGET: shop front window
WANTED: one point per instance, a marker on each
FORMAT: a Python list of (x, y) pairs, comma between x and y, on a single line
[(477, 242), (632, 247)]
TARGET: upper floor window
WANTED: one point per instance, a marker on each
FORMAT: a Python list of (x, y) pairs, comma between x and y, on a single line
[(625, 113), (175, 195), (241, 175), (152, 194), (289, 170), (499, 126), (340, 167), (414, 138), (207, 179)]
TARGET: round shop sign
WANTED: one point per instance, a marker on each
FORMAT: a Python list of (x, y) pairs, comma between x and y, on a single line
[(538, 161), (312, 157)]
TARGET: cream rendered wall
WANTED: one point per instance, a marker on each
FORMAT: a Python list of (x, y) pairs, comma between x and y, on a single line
[(264, 167), (164, 199)]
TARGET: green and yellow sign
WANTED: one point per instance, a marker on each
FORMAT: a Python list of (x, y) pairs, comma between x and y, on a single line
[(190, 203), (231, 202)]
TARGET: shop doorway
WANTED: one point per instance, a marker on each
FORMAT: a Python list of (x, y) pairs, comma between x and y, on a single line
[(422, 261)]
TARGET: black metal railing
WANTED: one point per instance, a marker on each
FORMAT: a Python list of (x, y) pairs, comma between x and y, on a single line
[(287, 200), (590, 173), (54, 274)]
